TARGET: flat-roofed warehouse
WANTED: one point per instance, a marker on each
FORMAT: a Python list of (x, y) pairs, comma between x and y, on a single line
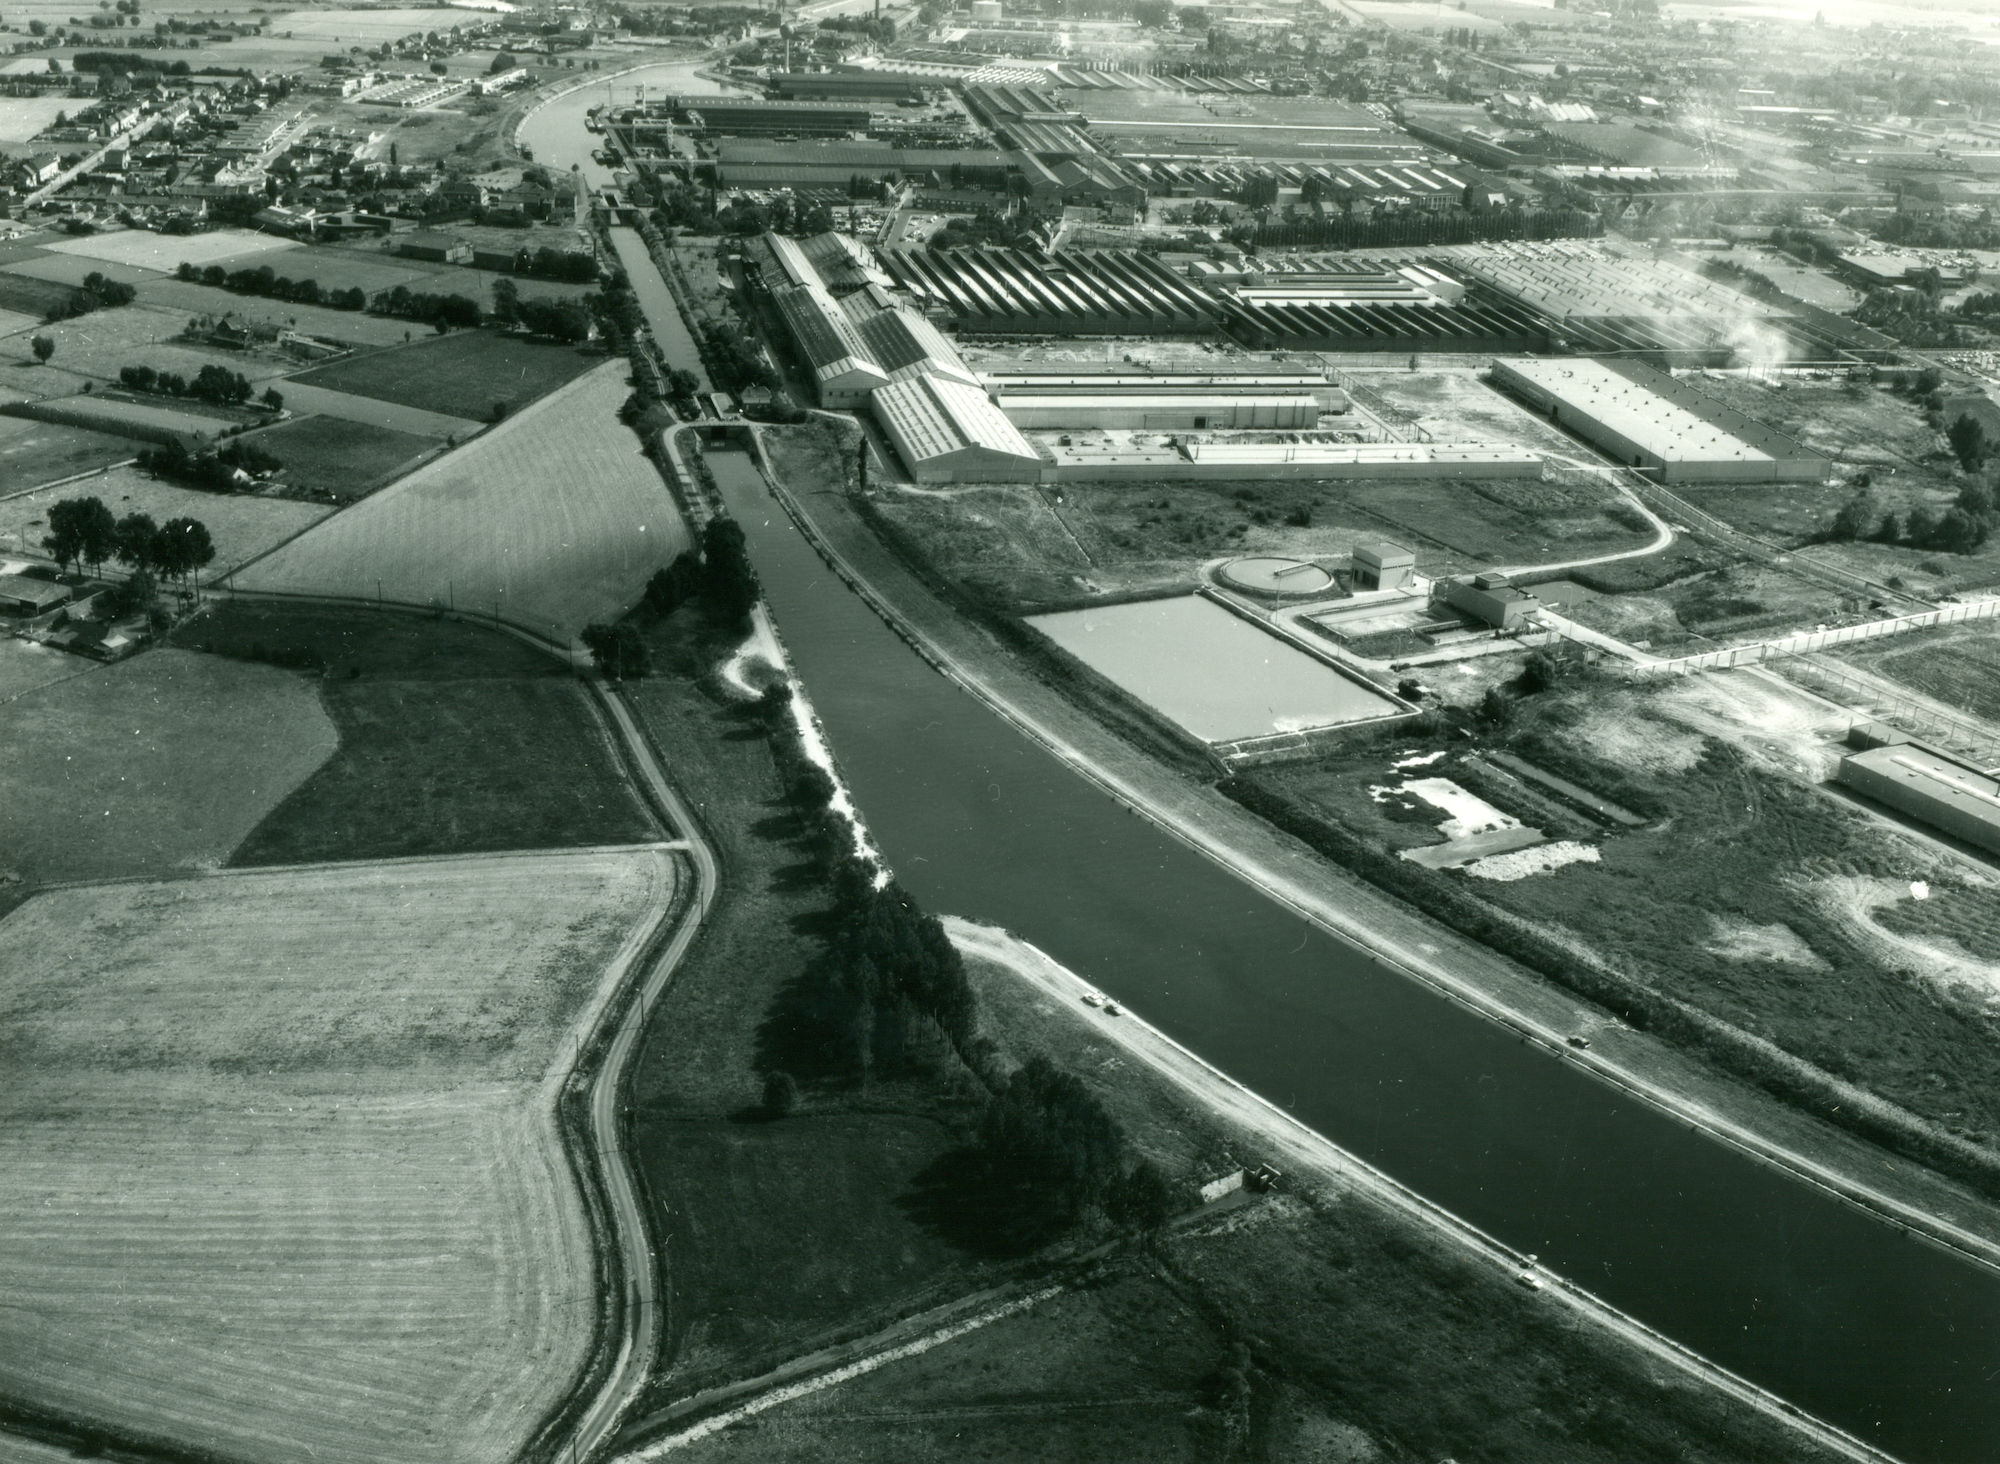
[(1665, 427), (1162, 411), (948, 432), (1952, 797)]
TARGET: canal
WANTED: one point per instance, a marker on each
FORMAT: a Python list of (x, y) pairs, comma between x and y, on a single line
[(1849, 1318)]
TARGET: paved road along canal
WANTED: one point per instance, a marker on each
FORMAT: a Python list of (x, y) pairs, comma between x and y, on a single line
[(1892, 1339)]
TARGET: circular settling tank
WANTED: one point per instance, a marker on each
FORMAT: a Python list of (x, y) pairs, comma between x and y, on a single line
[(1272, 576)]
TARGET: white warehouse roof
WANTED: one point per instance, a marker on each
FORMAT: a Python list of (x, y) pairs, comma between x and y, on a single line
[(946, 430), (1654, 423)]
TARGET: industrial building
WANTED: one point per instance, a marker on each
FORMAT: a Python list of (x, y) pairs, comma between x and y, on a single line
[(851, 345), (1664, 427), (1010, 292), (1490, 597), (1161, 412), (762, 117), (1930, 786), (948, 432), (1309, 461), (1588, 300), (1301, 376)]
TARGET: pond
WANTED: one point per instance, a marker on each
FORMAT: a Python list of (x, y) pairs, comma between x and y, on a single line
[(1210, 670)]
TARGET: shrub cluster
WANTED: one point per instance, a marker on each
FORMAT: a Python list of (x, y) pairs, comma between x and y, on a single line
[(95, 293), (214, 470)]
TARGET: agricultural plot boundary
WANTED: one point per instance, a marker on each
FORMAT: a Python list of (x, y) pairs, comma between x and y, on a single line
[(576, 1064)]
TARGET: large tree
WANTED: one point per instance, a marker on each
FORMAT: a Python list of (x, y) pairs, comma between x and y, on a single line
[(81, 531), (184, 548), (138, 542)]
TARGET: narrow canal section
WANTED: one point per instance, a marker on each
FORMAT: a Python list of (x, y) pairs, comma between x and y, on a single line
[(1850, 1318)]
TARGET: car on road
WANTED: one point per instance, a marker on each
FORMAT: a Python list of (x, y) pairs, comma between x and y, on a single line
[(1112, 1009), (1093, 998)]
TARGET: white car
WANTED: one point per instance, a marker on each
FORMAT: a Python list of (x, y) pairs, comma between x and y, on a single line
[(1093, 998)]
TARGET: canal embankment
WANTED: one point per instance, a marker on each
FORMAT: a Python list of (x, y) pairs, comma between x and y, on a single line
[(1472, 974)]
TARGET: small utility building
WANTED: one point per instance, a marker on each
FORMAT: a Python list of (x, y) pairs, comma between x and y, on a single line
[(1662, 426), (1383, 566), (948, 432)]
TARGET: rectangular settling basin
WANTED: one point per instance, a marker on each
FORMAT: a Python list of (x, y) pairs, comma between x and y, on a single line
[(1212, 672)]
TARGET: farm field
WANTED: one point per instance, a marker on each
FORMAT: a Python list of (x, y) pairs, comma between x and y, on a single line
[(160, 763), (241, 525), (463, 374), (22, 295), (165, 252), (97, 344), (553, 519), (346, 1183), (367, 25), (72, 269), (453, 739), (142, 420), (338, 268), (346, 460), (12, 321), (40, 452), (368, 411), (22, 117)]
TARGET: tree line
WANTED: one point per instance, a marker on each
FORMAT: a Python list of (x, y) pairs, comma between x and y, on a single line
[(214, 384), (267, 282), (95, 293), (82, 531), (887, 996), (720, 574)]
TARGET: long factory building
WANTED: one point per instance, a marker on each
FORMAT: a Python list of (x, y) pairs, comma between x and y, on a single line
[(1661, 426)]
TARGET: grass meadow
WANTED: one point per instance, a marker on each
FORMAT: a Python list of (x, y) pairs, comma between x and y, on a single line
[(463, 374), (453, 740), (343, 460)]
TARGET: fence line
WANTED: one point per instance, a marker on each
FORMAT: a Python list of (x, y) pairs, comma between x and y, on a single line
[(1805, 643)]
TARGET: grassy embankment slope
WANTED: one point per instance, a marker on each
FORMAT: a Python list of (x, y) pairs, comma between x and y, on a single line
[(333, 1217), (776, 1234), (784, 1233)]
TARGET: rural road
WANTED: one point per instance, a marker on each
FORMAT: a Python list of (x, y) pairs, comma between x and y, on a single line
[(637, 1349), (1301, 1151)]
